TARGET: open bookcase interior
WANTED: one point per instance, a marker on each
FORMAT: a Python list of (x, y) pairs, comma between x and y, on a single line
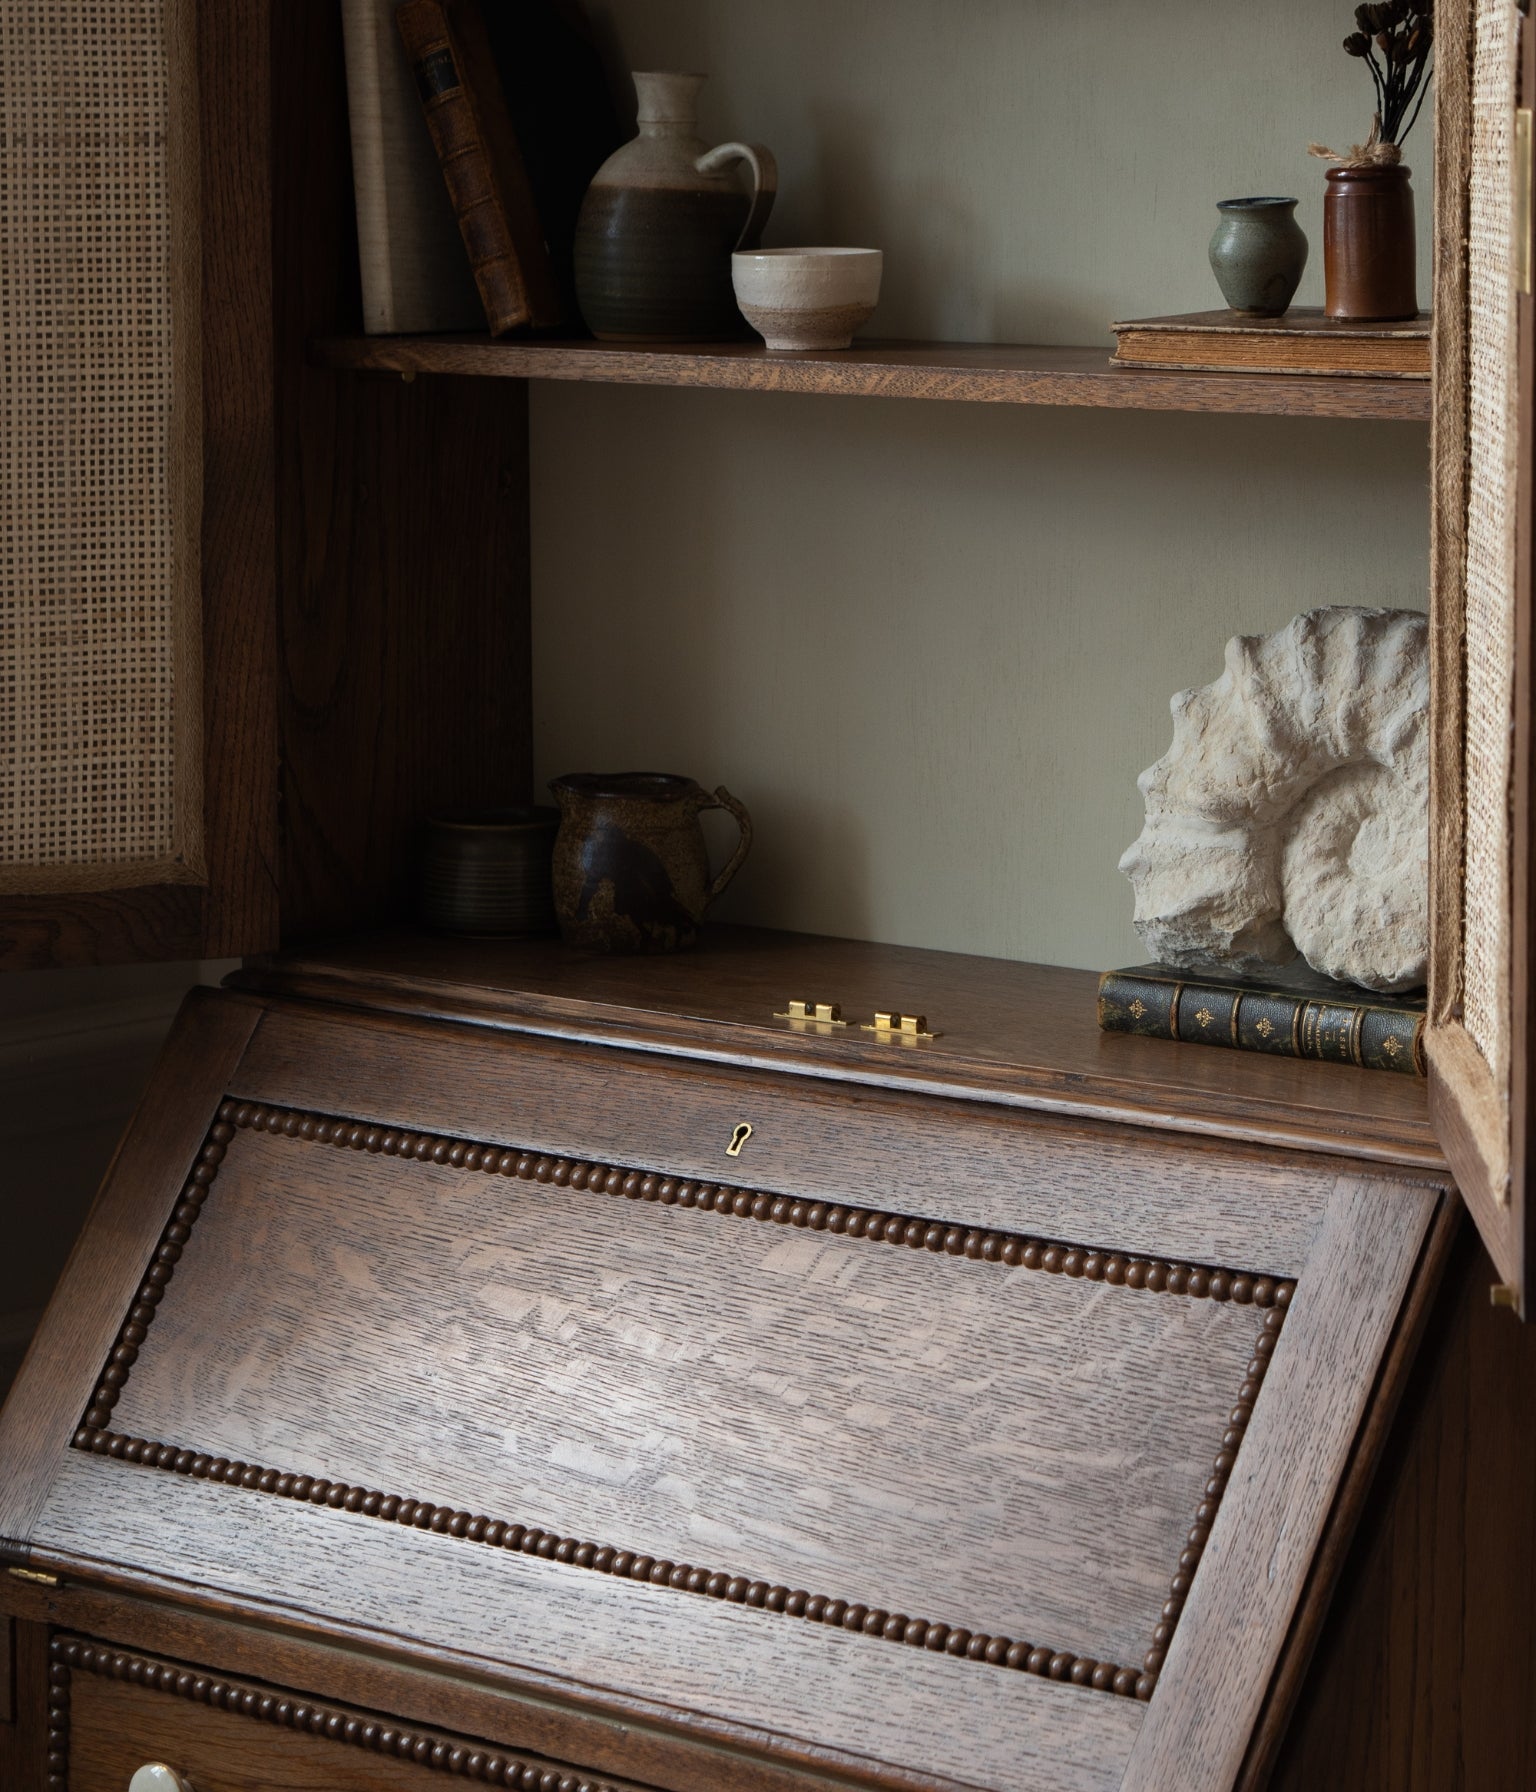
[(931, 646), (455, 1311)]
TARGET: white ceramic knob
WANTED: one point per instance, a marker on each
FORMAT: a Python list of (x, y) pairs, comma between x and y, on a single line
[(157, 1777)]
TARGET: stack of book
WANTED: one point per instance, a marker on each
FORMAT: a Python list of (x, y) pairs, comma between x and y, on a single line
[(1289, 1014), (1303, 341), (477, 126)]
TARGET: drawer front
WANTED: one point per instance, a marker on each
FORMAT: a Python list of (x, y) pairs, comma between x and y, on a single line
[(112, 1711)]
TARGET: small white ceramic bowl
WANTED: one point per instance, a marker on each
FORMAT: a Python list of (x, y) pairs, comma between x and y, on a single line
[(806, 298)]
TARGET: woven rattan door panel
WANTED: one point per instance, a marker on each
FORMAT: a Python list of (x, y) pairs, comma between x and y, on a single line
[(100, 464), (1477, 1042)]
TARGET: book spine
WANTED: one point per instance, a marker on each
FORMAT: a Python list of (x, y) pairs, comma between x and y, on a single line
[(1285, 1025), (462, 140)]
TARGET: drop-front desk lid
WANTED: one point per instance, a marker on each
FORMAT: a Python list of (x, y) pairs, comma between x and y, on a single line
[(863, 1433)]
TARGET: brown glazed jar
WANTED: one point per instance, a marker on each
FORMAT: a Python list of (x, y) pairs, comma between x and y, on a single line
[(631, 870), (1369, 245)]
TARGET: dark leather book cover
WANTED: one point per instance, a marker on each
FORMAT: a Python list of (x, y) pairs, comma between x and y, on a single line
[(471, 129), (1294, 1014), (562, 105)]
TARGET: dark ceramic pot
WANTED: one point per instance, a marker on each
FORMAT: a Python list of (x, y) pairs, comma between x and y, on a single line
[(631, 871), (488, 874), (1258, 255), (660, 221), (1369, 259)]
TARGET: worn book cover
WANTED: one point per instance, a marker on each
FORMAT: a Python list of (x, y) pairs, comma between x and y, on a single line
[(1291, 1013), (482, 164), (1303, 341)]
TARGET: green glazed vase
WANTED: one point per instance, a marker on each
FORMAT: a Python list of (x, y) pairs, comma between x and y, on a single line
[(1258, 255)]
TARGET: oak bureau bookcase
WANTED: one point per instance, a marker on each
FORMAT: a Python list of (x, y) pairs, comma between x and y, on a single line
[(448, 1385)]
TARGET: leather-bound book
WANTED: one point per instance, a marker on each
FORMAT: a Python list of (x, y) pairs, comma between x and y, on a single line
[(477, 147), (1303, 341), (1293, 1014)]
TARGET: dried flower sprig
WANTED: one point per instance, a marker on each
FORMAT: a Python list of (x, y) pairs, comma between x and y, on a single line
[(1395, 41)]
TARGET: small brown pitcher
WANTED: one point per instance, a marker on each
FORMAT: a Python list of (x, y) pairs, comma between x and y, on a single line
[(631, 869)]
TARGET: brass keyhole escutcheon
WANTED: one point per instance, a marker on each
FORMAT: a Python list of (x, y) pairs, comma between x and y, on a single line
[(738, 1139)]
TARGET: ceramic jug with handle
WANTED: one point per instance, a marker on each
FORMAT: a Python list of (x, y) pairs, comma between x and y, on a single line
[(631, 870), (660, 221)]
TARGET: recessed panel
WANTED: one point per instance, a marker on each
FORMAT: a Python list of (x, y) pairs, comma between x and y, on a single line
[(984, 1443)]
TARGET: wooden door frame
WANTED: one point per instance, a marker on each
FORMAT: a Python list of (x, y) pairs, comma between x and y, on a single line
[(1484, 1127), (236, 909)]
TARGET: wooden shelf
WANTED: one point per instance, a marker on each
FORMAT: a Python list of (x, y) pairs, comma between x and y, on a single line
[(976, 373), (1022, 1034)]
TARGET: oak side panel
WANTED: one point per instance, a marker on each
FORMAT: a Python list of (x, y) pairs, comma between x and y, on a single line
[(820, 1696), (108, 1262), (402, 572), (24, 1740), (1101, 1186), (1425, 1676), (1360, 1477), (239, 520), (1007, 1449), (1282, 1489)]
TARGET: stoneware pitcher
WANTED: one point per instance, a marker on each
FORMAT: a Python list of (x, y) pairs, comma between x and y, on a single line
[(660, 220), (631, 870)]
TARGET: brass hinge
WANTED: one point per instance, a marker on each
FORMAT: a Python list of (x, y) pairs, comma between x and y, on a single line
[(35, 1575), (1523, 182), (815, 1014), (891, 1025)]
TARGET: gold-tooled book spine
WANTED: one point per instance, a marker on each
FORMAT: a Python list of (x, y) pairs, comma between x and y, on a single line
[(481, 163), (1255, 1020)]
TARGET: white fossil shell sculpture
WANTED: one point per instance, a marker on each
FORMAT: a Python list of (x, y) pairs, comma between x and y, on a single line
[(1292, 810)]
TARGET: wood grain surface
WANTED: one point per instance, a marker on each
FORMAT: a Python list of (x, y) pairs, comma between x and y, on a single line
[(1008, 1032), (966, 1164), (117, 1710), (109, 1260), (805, 1689), (1283, 1486), (402, 572), (1426, 1674), (749, 1397), (522, 1709), (977, 373)]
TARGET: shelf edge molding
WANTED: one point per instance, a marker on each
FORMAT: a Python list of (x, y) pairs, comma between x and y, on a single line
[(973, 373)]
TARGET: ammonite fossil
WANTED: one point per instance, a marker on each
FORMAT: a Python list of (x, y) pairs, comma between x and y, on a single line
[(1291, 812)]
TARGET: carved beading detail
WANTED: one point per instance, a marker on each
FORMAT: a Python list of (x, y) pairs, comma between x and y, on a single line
[(1012, 1250), (56, 1767), (315, 1717), (135, 1328), (1221, 1471), (622, 1564)]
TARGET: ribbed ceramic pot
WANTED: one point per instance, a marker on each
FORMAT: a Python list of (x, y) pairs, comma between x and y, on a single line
[(631, 871), (1258, 254), (1370, 250), (488, 874), (659, 223)]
